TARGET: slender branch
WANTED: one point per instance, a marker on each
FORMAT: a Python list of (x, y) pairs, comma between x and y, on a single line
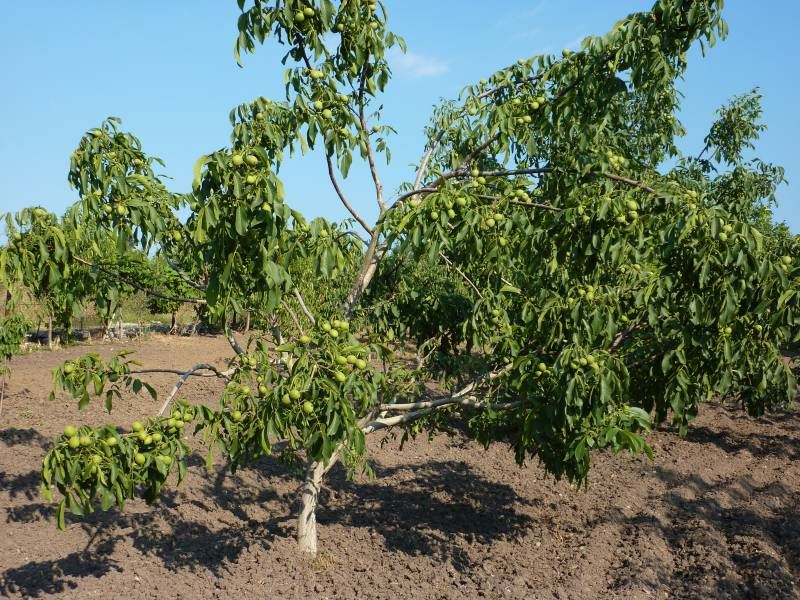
[(214, 371), (423, 165), (293, 316), (464, 276), (148, 291), (343, 198), (232, 340), (632, 182), (373, 169), (185, 277), (180, 383), (384, 423), (303, 306), (621, 337)]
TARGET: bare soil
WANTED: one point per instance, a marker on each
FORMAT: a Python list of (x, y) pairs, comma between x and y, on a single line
[(714, 515)]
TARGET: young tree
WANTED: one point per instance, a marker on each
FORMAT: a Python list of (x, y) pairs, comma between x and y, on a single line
[(596, 290)]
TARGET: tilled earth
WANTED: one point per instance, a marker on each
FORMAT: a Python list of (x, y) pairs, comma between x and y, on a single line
[(714, 515)]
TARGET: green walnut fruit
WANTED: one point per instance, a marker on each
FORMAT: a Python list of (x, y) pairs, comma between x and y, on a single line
[(69, 368), (236, 415), (308, 408), (340, 377), (341, 360), (259, 116), (148, 439), (451, 214), (74, 441), (787, 260), (294, 394), (723, 237), (251, 179), (361, 363), (121, 210), (481, 180), (137, 426), (318, 105), (461, 201), (86, 440), (238, 160), (251, 160), (475, 172), (111, 441), (490, 222), (304, 339), (176, 236), (323, 233), (263, 390), (299, 17), (727, 331), (327, 113), (333, 333), (156, 437), (108, 209), (308, 11), (139, 459), (244, 390), (352, 359), (326, 326), (434, 215)]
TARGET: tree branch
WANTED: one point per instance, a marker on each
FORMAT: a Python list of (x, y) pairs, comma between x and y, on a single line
[(138, 286), (343, 198), (463, 275), (185, 277), (303, 306), (182, 380)]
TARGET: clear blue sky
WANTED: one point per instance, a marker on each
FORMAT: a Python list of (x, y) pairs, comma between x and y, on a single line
[(167, 69)]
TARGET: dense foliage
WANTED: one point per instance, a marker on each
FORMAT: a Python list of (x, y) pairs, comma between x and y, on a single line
[(565, 274)]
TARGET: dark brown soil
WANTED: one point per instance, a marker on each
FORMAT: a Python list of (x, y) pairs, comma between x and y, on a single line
[(714, 515)]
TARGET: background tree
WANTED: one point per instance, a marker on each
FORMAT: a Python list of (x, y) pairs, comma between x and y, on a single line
[(596, 288)]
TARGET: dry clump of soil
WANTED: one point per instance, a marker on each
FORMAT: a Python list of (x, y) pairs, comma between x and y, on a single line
[(714, 515)]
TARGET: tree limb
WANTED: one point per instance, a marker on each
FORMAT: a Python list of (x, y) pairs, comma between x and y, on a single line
[(138, 286), (342, 197)]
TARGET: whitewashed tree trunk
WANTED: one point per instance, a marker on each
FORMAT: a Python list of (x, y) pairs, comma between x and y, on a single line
[(309, 496)]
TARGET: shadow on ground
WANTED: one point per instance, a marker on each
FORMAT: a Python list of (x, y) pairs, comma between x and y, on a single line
[(420, 514)]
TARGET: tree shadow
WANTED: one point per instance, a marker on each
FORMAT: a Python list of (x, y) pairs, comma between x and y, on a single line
[(47, 577), (21, 485), (173, 530), (749, 551), (14, 436), (431, 509), (783, 440)]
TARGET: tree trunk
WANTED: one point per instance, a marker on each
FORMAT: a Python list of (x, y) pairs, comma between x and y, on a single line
[(307, 521), (247, 323), (50, 331), (174, 325)]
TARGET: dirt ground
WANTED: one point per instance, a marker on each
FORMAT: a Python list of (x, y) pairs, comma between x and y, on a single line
[(716, 515)]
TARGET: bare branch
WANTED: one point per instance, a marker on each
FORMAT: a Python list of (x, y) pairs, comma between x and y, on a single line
[(232, 340), (182, 380), (343, 198), (632, 182), (384, 423), (469, 281), (303, 306), (423, 165), (138, 286), (185, 277)]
